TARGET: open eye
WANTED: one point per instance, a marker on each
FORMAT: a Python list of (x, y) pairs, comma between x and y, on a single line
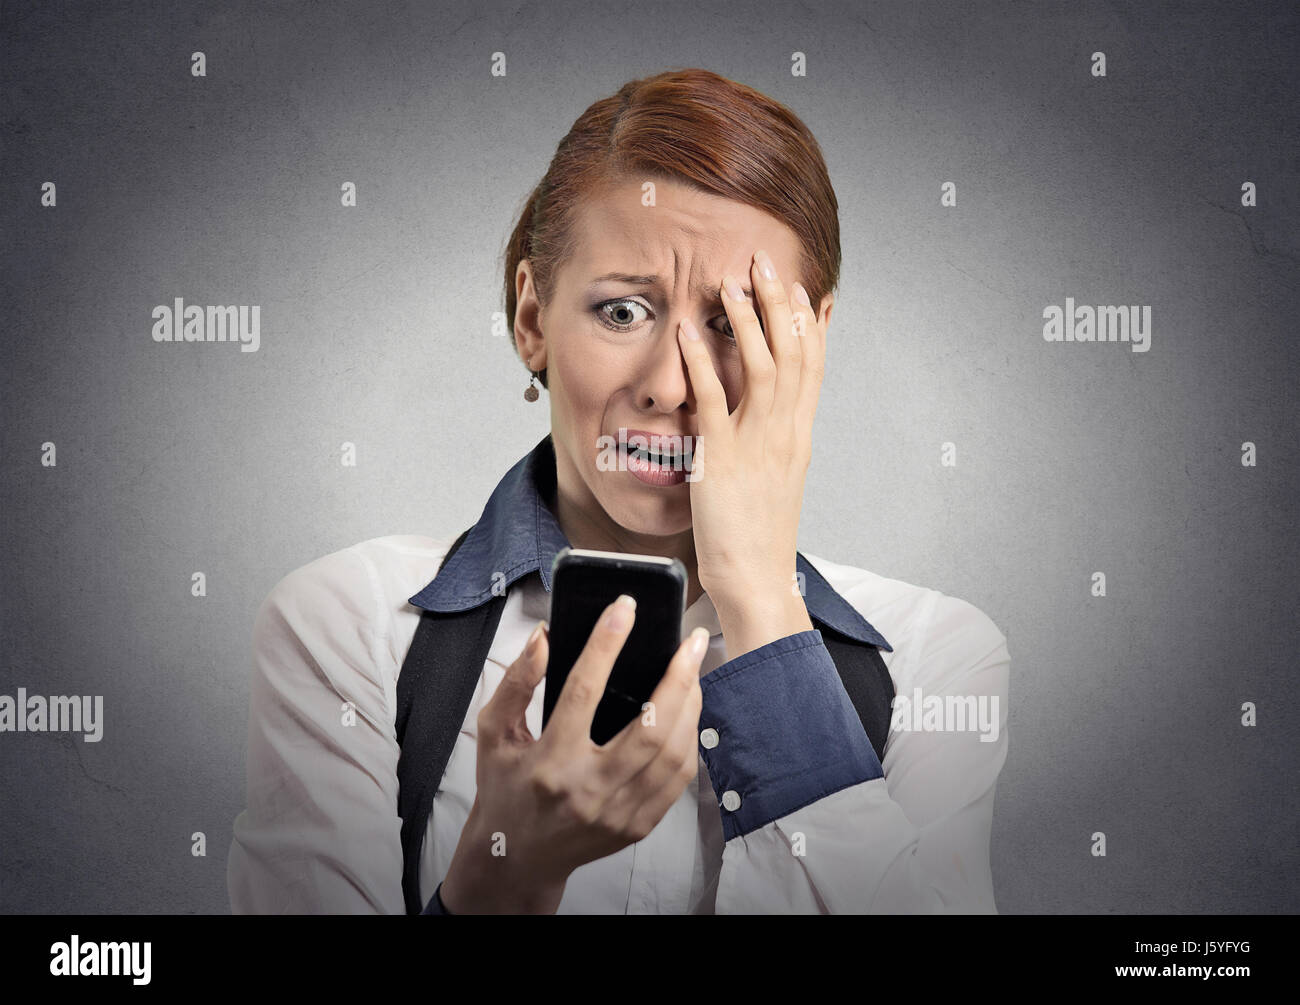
[(619, 315)]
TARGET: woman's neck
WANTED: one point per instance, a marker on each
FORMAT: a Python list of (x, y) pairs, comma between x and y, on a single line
[(600, 533)]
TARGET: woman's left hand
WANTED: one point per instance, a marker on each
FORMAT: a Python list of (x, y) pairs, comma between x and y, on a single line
[(749, 466)]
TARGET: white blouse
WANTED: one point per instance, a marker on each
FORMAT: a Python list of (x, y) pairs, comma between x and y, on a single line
[(321, 832)]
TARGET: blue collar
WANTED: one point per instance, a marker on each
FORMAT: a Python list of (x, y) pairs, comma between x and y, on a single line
[(518, 534)]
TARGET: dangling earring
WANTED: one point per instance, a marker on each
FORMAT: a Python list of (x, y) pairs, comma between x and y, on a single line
[(530, 392)]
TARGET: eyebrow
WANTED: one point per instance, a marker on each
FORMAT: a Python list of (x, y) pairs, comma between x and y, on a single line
[(711, 293)]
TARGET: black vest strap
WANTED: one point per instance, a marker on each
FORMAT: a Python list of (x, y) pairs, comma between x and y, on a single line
[(444, 664), (434, 689), (866, 678)]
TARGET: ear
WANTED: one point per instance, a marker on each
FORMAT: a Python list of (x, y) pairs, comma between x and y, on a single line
[(529, 339), (824, 311)]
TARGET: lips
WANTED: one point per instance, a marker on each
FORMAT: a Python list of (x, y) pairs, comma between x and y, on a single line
[(660, 471), (670, 445)]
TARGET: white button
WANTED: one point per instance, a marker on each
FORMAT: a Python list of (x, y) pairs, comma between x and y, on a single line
[(731, 800), (709, 738)]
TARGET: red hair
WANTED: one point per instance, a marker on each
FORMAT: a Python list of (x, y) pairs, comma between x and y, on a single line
[(696, 128)]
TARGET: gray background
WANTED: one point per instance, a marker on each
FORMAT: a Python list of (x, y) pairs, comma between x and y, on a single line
[(1072, 458)]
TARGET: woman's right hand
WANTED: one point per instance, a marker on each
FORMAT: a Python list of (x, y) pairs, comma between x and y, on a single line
[(546, 806)]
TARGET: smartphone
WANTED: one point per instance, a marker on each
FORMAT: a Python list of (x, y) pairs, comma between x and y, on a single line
[(583, 584)]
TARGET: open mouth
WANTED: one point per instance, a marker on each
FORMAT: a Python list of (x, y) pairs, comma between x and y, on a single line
[(675, 459)]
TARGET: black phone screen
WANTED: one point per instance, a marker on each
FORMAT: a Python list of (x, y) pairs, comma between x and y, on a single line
[(582, 587)]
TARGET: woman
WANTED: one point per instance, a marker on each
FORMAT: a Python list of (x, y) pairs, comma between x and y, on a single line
[(661, 280)]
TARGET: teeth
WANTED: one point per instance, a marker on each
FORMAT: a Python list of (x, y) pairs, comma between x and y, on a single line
[(656, 458)]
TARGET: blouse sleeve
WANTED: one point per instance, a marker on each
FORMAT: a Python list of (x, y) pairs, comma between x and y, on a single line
[(814, 822), (321, 832)]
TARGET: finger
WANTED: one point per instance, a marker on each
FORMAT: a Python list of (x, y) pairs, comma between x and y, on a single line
[(813, 368), (643, 803), (710, 395), (778, 320), (755, 357), (641, 740), (570, 721), (505, 711)]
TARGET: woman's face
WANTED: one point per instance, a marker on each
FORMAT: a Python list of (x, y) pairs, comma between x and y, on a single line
[(609, 344)]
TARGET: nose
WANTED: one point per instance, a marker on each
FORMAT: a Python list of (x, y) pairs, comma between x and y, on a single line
[(663, 384)]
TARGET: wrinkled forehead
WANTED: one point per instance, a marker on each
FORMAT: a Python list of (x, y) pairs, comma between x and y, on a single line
[(688, 236)]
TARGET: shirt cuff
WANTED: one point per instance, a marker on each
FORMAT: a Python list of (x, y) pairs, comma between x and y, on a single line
[(778, 732), (435, 904)]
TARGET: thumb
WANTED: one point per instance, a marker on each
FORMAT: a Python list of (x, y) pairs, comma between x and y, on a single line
[(506, 708)]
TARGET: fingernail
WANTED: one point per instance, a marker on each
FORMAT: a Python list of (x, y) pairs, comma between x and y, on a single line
[(733, 288), (699, 641), (620, 615), (765, 266), (689, 330), (532, 639), (801, 295)]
